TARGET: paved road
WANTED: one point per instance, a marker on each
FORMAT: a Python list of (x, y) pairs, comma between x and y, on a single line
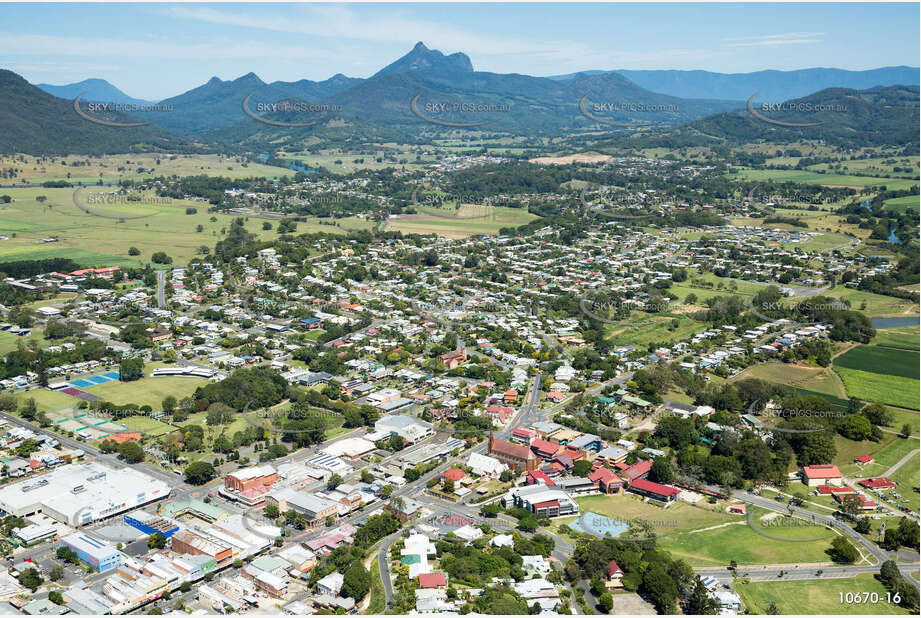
[(161, 289)]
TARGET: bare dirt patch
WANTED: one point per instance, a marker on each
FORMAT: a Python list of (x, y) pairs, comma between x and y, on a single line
[(583, 157)]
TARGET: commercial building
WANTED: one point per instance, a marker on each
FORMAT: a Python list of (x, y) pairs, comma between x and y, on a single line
[(96, 553), (542, 500), (199, 543), (78, 494), (151, 524)]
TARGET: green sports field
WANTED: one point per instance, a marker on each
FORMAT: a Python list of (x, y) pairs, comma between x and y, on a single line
[(815, 596)]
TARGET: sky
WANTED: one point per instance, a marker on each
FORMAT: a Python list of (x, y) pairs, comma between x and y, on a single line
[(154, 51)]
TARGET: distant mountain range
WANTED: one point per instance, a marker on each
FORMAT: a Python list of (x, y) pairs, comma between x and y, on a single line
[(98, 90), (35, 122), (426, 91), (839, 116), (775, 86)]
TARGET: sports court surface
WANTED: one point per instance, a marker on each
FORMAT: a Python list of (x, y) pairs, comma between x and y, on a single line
[(112, 376)]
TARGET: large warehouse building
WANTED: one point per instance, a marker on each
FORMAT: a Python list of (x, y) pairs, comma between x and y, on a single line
[(77, 494)]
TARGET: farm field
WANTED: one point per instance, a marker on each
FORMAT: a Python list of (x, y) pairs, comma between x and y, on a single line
[(111, 169), (167, 229), (880, 360), (817, 596), (900, 204), (906, 337), (888, 389), (815, 178)]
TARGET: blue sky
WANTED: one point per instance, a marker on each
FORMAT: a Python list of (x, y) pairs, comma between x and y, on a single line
[(155, 51)]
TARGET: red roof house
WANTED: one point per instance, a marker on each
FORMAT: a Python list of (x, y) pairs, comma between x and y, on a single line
[(864, 459), (880, 482), (433, 580), (825, 474), (638, 470)]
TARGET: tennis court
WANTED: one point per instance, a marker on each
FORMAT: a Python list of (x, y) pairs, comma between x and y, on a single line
[(79, 394), (112, 376)]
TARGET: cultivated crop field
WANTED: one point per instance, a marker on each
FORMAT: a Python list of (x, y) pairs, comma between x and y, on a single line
[(900, 204), (889, 389), (879, 374), (902, 363), (815, 178)]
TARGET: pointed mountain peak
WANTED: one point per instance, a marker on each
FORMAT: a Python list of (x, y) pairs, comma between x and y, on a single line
[(421, 58)]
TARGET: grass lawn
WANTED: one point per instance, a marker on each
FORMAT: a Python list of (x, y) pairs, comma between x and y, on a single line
[(459, 228), (905, 337), (907, 478), (10, 342), (892, 390), (873, 304), (378, 599), (100, 241), (818, 596), (818, 379), (147, 391), (146, 425), (676, 518), (741, 543), (657, 329), (885, 454), (900, 417)]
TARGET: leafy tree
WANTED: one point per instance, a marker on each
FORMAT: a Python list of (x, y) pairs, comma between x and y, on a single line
[(606, 602), (889, 574), (700, 602), (662, 471), (582, 468), (56, 597), (156, 541), (199, 473), (169, 404), (334, 481), (130, 369), (67, 555), (843, 551), (56, 573), (356, 582), (131, 451), (30, 578)]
